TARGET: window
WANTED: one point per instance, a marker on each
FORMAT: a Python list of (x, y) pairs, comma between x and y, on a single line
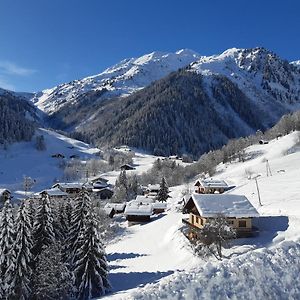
[(197, 220), (192, 219), (230, 222), (242, 224), (201, 221)]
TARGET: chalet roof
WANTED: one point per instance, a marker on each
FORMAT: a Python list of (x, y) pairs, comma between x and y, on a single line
[(54, 192), (136, 208), (115, 206), (98, 178), (68, 185), (159, 205), (3, 191), (72, 185), (153, 187), (144, 199), (100, 185), (127, 166), (213, 183), (210, 205), (103, 189)]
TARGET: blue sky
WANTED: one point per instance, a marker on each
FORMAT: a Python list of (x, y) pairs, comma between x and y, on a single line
[(47, 42)]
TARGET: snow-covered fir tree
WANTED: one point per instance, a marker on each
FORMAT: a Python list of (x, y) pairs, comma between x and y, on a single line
[(43, 232), (91, 268), (52, 279), (18, 274), (163, 192), (7, 237), (31, 211), (82, 206)]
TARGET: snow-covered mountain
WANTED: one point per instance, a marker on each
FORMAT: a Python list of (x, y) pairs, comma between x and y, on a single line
[(122, 79), (261, 74)]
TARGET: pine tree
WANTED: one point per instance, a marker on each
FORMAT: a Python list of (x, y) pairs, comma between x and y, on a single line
[(43, 232), (18, 274), (91, 268), (31, 211), (81, 209), (163, 192), (7, 237), (52, 279)]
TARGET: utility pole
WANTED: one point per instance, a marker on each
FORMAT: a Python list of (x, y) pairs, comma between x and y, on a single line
[(258, 193), (269, 172)]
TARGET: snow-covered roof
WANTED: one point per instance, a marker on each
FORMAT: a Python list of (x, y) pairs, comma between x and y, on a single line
[(153, 187), (236, 206), (72, 185), (213, 183), (115, 206), (159, 205), (54, 192), (136, 208), (144, 199), (3, 191), (99, 185)]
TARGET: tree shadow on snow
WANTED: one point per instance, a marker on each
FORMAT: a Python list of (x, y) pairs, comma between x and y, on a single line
[(269, 228), (116, 256), (126, 281)]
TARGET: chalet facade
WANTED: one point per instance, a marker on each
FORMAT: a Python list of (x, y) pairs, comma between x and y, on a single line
[(103, 193), (235, 208), (210, 186)]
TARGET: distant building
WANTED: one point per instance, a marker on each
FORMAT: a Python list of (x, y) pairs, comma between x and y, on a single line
[(152, 189), (73, 188), (158, 207), (118, 207), (137, 211), (57, 155), (210, 186), (127, 167), (235, 208), (103, 193), (55, 193)]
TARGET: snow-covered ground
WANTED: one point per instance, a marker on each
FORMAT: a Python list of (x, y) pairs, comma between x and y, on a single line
[(155, 260), (23, 159)]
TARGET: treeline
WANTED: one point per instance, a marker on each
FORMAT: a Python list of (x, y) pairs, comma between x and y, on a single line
[(15, 125), (234, 150), (52, 250)]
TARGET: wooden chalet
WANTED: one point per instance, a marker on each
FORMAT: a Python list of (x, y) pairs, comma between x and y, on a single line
[(235, 208), (54, 193), (137, 211), (103, 193), (72, 188), (127, 167), (99, 179), (158, 207), (210, 186), (118, 207)]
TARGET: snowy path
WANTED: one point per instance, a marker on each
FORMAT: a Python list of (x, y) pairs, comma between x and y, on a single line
[(148, 253)]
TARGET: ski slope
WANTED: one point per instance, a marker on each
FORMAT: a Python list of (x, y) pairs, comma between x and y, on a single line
[(155, 261)]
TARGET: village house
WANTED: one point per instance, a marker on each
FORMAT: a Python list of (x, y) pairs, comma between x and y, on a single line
[(73, 188), (235, 208), (210, 186), (103, 193), (54, 193), (158, 207), (152, 190), (99, 179), (4, 195), (117, 208), (136, 211), (127, 167)]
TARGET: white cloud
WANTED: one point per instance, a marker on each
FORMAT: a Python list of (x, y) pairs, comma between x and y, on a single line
[(10, 68)]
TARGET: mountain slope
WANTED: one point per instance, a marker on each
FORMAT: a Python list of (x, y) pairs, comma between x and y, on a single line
[(122, 79), (17, 118), (177, 115)]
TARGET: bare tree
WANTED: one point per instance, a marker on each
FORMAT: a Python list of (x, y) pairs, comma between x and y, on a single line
[(214, 236)]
